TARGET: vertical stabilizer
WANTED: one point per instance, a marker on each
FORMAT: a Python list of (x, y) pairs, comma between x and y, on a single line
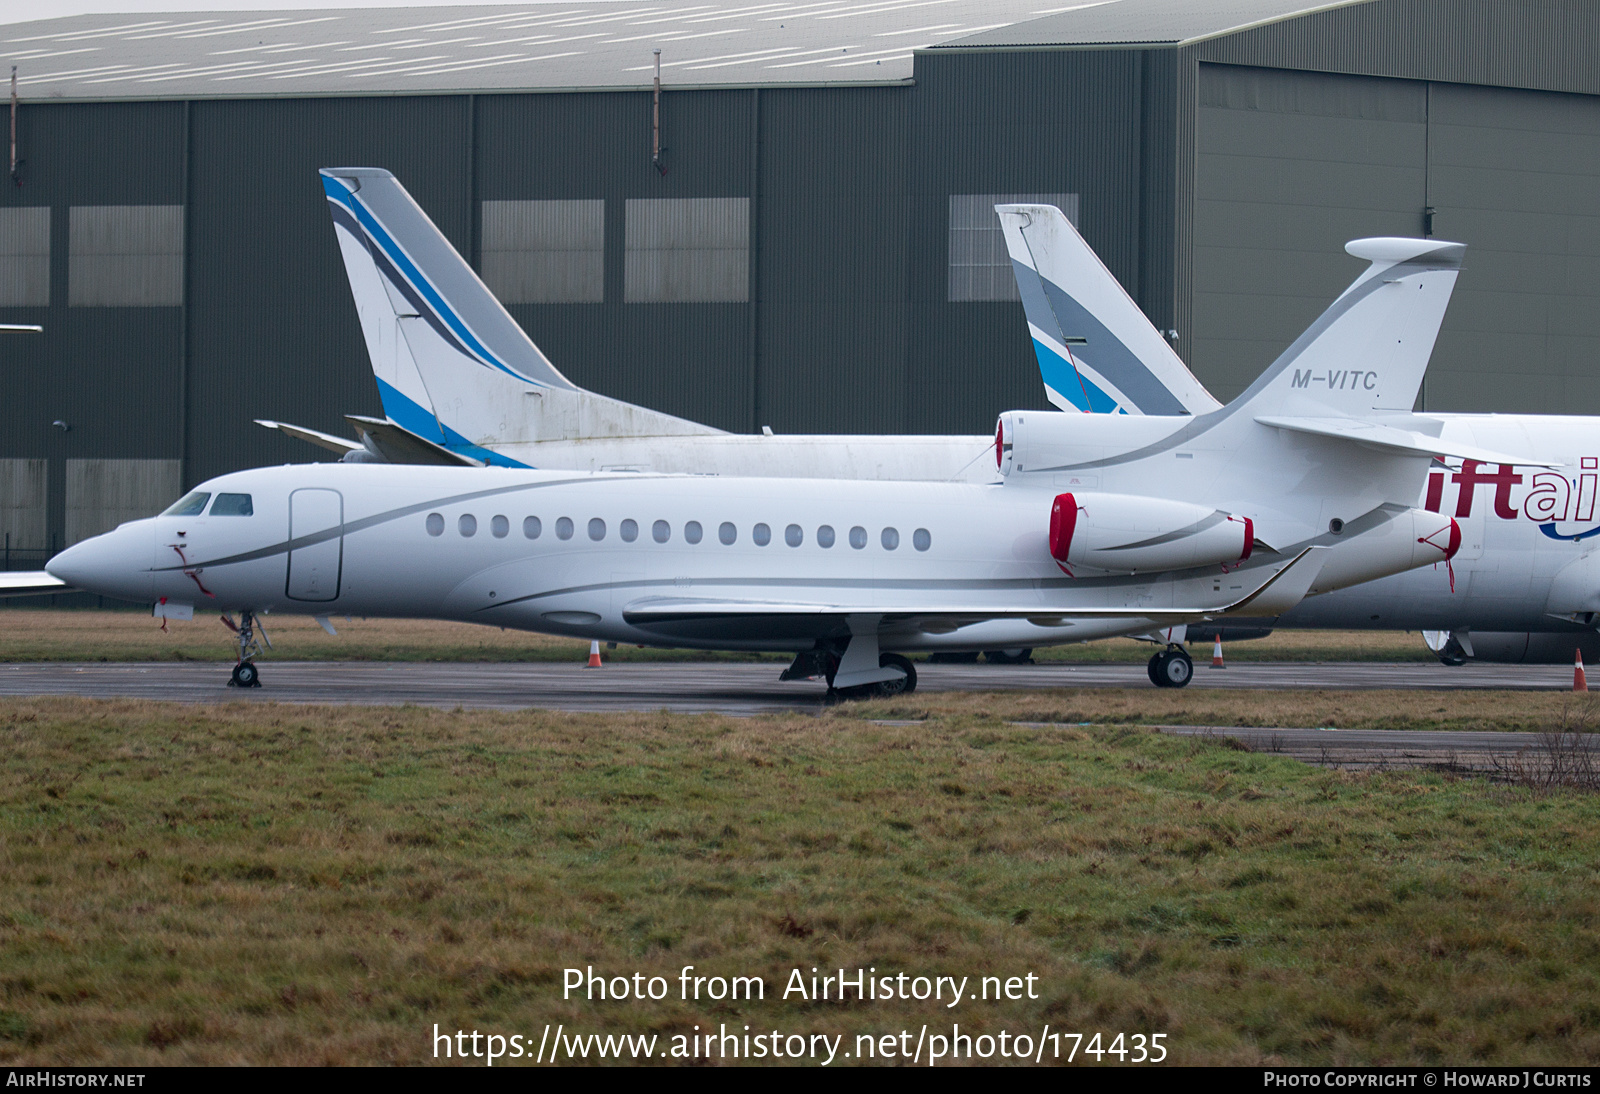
[(1097, 351), (452, 365), (1369, 351)]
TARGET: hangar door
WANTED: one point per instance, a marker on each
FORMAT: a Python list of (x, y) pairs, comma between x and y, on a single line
[(1291, 165)]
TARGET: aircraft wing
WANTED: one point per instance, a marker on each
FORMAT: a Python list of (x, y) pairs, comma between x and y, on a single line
[(30, 583), (316, 437), (1390, 438), (1280, 591)]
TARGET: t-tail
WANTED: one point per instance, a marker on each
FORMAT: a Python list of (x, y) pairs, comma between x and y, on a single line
[(453, 367), (1097, 351)]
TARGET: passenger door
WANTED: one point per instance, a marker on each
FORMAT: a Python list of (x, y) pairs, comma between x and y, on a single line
[(315, 558)]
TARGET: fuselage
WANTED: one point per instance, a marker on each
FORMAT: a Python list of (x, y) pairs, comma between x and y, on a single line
[(643, 558)]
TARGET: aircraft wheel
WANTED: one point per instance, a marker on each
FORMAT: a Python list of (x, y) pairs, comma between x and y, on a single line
[(1175, 669), (246, 675), (1009, 657), (903, 686), (1153, 669), (1452, 654)]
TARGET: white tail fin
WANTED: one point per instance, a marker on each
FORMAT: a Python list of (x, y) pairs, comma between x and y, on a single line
[(452, 365), (1369, 351), (1097, 351)]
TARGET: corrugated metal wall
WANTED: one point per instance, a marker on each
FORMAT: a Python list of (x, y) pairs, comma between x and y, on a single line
[(1019, 122)]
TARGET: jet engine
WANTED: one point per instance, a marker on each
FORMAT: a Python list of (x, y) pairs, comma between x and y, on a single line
[(1123, 533)]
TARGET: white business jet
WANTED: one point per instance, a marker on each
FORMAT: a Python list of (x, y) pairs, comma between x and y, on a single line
[(1285, 493), (1525, 585)]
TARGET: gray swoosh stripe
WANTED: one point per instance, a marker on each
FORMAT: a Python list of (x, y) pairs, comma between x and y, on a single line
[(1171, 537), (372, 522)]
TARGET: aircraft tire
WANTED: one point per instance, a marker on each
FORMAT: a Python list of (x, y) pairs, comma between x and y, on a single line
[(904, 686), (1153, 669), (1175, 669), (246, 675)]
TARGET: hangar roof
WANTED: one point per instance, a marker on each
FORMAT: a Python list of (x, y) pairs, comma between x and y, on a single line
[(1144, 22), (536, 45)]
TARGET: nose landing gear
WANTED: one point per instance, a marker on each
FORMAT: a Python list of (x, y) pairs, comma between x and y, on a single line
[(245, 673), (1171, 668)]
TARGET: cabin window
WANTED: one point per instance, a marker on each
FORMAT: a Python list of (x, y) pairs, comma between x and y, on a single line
[(531, 527), (661, 531), (858, 537), (597, 529), (563, 527), (629, 530), (468, 525), (233, 505), (190, 505), (435, 524), (921, 540), (691, 531), (727, 533), (499, 527), (794, 535), (761, 534), (825, 536), (890, 539)]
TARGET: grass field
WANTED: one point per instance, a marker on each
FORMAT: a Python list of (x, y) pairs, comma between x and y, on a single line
[(272, 884), (37, 634)]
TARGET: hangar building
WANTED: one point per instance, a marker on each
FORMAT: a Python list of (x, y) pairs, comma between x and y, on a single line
[(818, 254)]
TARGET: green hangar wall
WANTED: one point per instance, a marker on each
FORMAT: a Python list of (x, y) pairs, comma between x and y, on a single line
[(846, 274)]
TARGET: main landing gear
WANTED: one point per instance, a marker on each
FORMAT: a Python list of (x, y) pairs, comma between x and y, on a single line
[(825, 663), (245, 673), (1171, 668)]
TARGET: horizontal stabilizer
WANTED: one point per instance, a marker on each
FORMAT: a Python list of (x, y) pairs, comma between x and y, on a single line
[(399, 445), (314, 436), (1374, 434), (30, 583)]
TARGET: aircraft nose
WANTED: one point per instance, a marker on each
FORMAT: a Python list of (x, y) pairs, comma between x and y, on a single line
[(115, 564)]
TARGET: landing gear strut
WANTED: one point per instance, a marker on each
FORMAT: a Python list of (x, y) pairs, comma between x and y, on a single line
[(1171, 668), (245, 673)]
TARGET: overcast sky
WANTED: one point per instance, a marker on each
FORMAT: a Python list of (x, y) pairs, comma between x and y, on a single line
[(19, 11)]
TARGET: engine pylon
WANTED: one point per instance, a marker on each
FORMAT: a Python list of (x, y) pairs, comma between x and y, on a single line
[(594, 654), (1216, 654), (1579, 681)]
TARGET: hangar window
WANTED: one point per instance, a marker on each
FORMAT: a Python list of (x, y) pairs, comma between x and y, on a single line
[(545, 252), (980, 267), (687, 251), (125, 256), (25, 257), (531, 527)]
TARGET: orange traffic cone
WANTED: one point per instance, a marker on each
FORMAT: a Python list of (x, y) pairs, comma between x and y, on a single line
[(594, 654), (1579, 683), (1216, 654)]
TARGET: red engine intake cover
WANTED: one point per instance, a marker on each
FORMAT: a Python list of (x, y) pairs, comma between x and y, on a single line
[(1063, 522)]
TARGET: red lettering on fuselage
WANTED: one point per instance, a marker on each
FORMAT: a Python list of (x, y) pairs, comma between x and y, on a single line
[(1469, 477)]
